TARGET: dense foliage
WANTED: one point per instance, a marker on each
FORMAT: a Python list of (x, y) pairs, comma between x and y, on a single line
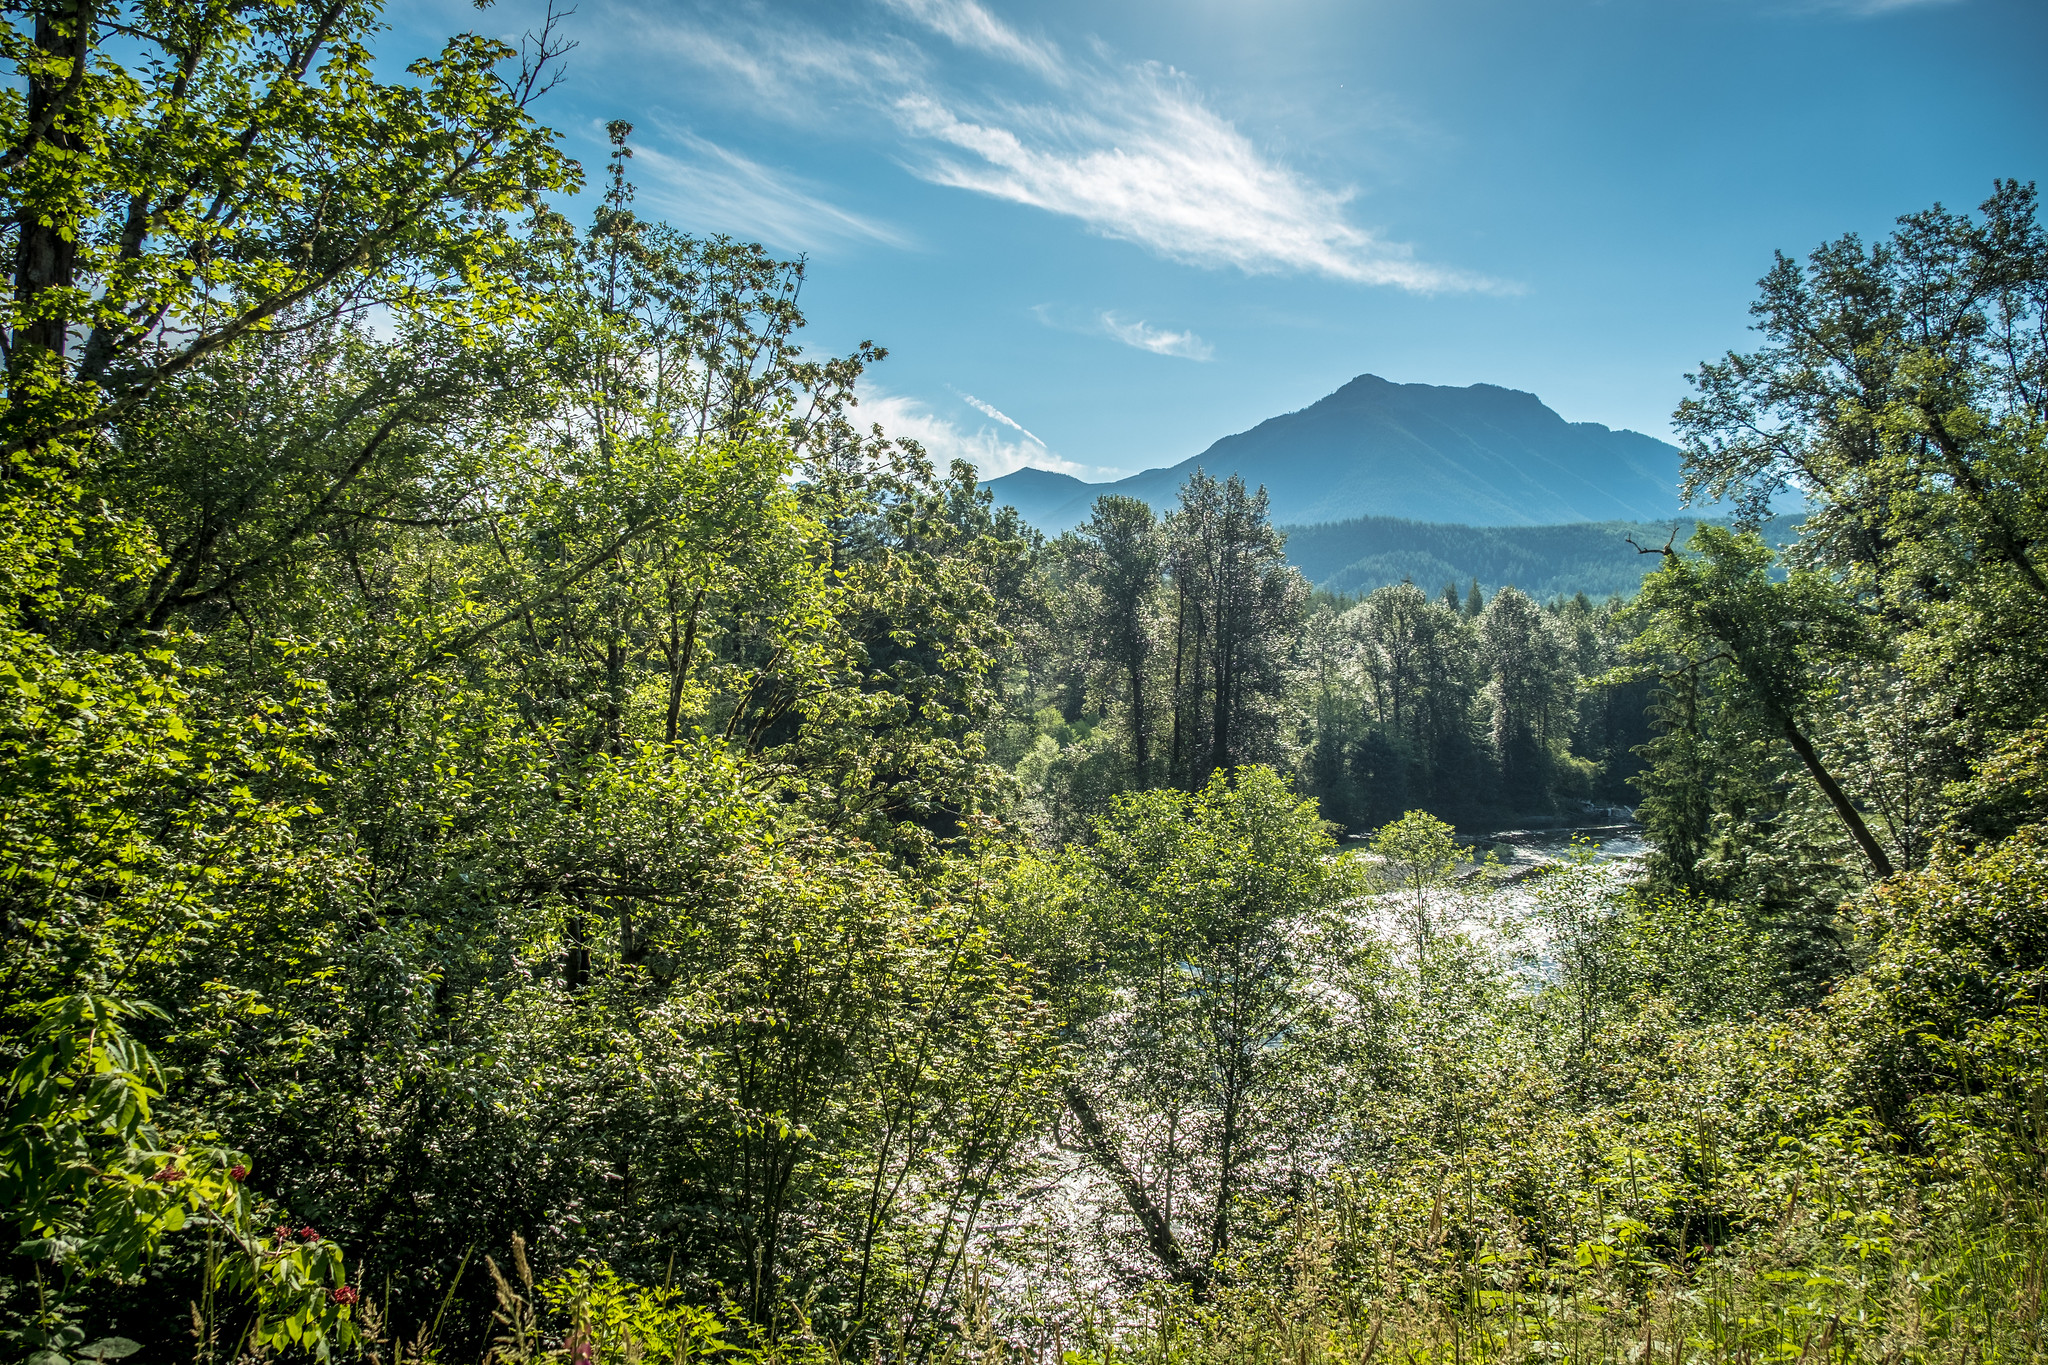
[(525, 830), (1157, 652)]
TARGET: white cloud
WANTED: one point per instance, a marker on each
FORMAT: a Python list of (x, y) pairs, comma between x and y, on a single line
[(971, 26), (1131, 151), (1157, 340), (1149, 162), (778, 62), (710, 185), (990, 410), (945, 440)]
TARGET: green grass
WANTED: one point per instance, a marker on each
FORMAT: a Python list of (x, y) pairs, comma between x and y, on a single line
[(1961, 1285)]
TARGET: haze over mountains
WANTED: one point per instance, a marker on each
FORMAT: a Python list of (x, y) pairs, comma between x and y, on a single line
[(1480, 456)]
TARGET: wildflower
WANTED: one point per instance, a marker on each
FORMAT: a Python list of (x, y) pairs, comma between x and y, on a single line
[(308, 1235), (344, 1294), (238, 1174), (169, 1175), (283, 1233), (580, 1349)]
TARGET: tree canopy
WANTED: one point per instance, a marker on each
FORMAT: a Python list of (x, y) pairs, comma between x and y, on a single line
[(526, 829)]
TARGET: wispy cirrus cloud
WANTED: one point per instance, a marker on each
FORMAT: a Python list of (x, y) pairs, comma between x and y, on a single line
[(991, 410), (1131, 151), (788, 70), (727, 192), (1136, 333), (1869, 9), (945, 440), (970, 25), (1149, 162), (1158, 340)]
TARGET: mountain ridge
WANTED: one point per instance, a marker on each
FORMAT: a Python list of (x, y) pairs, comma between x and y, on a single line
[(1481, 455)]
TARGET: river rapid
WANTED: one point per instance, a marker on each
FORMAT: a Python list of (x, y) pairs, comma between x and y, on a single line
[(1493, 899)]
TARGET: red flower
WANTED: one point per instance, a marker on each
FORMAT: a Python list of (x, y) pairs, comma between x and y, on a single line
[(284, 1233), (169, 1175), (345, 1294), (308, 1235), (238, 1174)]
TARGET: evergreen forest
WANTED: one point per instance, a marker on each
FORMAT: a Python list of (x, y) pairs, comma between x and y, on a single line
[(530, 833), (1593, 557)]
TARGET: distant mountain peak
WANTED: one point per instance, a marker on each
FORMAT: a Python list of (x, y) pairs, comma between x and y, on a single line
[(1481, 455), (1033, 476)]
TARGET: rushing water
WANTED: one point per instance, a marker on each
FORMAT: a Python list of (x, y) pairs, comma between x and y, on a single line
[(1494, 900), (1075, 1219), (1611, 843)]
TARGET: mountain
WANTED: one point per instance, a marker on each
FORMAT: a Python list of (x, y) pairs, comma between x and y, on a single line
[(1481, 456)]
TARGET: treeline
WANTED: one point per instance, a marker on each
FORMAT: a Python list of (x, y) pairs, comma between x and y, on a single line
[(526, 831), (1154, 652), (1593, 557)]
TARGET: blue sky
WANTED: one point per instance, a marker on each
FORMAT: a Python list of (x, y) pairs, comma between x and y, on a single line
[(1098, 237)]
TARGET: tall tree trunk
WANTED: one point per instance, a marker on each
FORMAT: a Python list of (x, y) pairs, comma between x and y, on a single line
[(576, 967), (1158, 1233), (1219, 721), (1762, 687), (1229, 655), (679, 664), (1219, 1234), (614, 695), (46, 254), (1839, 799), (1180, 622), (1140, 739)]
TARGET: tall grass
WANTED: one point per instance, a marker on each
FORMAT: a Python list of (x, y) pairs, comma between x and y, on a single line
[(1964, 1284)]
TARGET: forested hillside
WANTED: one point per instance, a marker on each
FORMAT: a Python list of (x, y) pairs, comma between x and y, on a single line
[(530, 833), (1599, 558)]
